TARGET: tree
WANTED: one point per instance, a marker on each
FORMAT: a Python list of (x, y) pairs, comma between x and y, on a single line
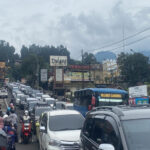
[(29, 68), (134, 67), (89, 58), (6, 52), (24, 52)]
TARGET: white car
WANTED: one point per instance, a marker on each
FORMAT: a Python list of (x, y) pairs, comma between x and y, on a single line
[(60, 129), (45, 96), (17, 98), (50, 101)]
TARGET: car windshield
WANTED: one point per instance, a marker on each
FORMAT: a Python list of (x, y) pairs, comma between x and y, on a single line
[(137, 134), (39, 111), (39, 94), (31, 105), (70, 107), (60, 106), (66, 122), (50, 102)]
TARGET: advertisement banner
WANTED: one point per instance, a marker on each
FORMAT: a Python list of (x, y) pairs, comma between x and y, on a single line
[(77, 76), (59, 75), (58, 61), (138, 91), (43, 75)]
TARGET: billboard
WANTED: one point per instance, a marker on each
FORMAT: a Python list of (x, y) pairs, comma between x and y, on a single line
[(2, 64), (58, 61), (43, 75), (77, 76), (138, 91), (59, 75)]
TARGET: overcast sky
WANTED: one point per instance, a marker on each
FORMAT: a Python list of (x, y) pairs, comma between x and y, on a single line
[(76, 24)]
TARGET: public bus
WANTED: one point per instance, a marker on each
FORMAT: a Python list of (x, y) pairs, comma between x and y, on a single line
[(86, 99)]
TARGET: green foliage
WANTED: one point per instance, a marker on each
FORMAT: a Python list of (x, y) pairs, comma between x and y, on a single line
[(89, 58), (6, 52), (134, 67)]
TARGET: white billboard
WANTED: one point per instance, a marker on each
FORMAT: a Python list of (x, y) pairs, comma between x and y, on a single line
[(43, 75), (59, 75), (58, 61), (138, 91)]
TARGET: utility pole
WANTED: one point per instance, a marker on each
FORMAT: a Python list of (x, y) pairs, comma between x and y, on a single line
[(123, 34), (82, 70)]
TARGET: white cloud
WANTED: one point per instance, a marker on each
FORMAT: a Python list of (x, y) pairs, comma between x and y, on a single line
[(77, 24)]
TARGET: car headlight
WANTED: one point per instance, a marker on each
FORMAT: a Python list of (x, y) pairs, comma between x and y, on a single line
[(54, 143)]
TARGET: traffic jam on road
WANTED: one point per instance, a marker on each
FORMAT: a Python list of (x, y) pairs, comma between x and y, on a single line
[(97, 119)]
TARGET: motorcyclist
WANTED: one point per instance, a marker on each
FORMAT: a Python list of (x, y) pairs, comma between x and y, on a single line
[(26, 117), (9, 108), (13, 117), (14, 120)]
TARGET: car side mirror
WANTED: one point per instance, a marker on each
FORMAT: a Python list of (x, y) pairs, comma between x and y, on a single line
[(106, 147), (42, 129)]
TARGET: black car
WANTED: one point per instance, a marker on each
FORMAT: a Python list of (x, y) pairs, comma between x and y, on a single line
[(117, 128)]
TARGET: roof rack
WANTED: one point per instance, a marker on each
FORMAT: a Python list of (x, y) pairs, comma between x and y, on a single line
[(113, 109)]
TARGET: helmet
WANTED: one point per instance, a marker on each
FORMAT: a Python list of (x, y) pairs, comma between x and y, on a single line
[(11, 104), (5, 116), (26, 112)]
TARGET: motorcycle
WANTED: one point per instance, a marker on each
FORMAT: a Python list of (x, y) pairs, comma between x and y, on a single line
[(26, 132)]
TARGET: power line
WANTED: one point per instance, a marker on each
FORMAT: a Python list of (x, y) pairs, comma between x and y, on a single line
[(126, 38), (136, 41)]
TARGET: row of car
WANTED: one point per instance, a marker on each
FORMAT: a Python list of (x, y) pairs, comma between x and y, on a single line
[(49, 117), (104, 128)]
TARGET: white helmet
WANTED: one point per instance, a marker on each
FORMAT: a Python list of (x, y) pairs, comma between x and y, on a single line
[(5, 116), (26, 113)]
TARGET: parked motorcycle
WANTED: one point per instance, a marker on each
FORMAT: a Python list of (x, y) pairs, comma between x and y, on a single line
[(26, 132)]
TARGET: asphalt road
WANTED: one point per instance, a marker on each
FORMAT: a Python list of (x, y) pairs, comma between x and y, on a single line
[(30, 146)]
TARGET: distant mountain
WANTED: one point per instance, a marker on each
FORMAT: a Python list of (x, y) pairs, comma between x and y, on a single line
[(101, 56)]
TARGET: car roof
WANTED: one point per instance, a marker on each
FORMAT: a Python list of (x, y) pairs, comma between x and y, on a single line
[(135, 113), (63, 112), (45, 95), (31, 98), (124, 112), (49, 98)]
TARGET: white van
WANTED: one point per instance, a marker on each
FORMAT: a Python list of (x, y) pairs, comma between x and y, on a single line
[(60, 129)]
